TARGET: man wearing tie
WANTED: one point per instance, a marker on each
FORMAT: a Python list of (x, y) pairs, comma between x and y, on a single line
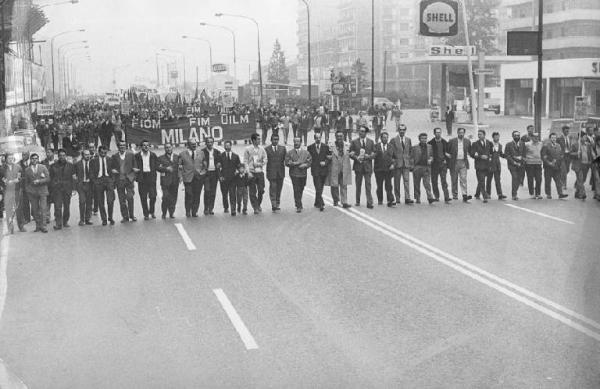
[(104, 184), (495, 171), (36, 180), (362, 151), (320, 157), (147, 163), (84, 188), (230, 162), (212, 158), (255, 159), (566, 142), (275, 170), (514, 153), (384, 170), (62, 174), (168, 166), (439, 166), (481, 152), (298, 160), (193, 175), (124, 170), (402, 148), (70, 143), (422, 155), (458, 162)]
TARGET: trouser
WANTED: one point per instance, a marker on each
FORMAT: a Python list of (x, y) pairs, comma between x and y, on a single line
[(449, 128), (459, 173), (534, 177), (495, 176), (193, 190), (169, 198), (228, 194), (404, 173), (62, 206), (340, 192), (147, 191), (482, 175), (25, 208), (319, 182), (295, 130), (104, 188), (377, 132), (126, 192), (596, 173), (516, 174), (55, 142), (298, 183), (49, 201), (85, 195), (552, 173), (286, 134), (347, 134), (12, 200), (241, 194), (38, 209), (422, 173), (359, 176), (564, 171), (384, 179), (94, 198), (256, 188), (441, 172), (210, 191), (581, 172), (304, 135), (264, 131), (275, 187)]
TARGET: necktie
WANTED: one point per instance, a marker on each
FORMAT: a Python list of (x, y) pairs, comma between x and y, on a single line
[(229, 156), (104, 172), (193, 155), (86, 172), (402, 140), (384, 147), (364, 146), (318, 148)]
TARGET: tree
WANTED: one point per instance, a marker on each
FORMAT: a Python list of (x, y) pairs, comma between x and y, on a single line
[(359, 73), (483, 25), (278, 71)]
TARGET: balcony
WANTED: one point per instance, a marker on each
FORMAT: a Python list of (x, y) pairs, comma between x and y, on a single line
[(571, 42)]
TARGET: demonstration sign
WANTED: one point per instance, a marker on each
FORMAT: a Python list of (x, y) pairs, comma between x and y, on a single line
[(439, 18), (220, 126), (45, 110)]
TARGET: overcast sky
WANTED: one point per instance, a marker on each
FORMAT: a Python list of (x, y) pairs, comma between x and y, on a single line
[(122, 32)]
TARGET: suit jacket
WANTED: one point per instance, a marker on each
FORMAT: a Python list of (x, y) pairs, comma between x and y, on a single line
[(481, 150), (95, 168), (552, 156), (79, 172), (71, 146), (298, 155), (514, 154), (316, 158), (366, 166), (192, 167), (401, 153), (453, 151), (42, 174), (416, 154), (383, 160), (275, 162), (216, 159), (495, 164), (437, 161), (340, 163), (229, 166), (168, 178), (128, 164), (61, 176), (149, 177)]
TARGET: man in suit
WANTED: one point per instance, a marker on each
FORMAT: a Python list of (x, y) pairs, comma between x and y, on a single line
[(340, 173), (24, 204), (168, 167), (439, 166), (12, 179), (362, 151), (124, 169), (565, 141), (402, 147), (422, 157), (193, 175), (319, 169), (255, 159), (495, 171), (552, 156), (481, 152), (36, 180), (298, 160), (514, 154), (71, 143), (457, 154), (48, 162), (84, 188), (101, 168), (62, 174), (449, 120), (230, 162), (212, 158), (275, 170), (147, 163), (384, 170)]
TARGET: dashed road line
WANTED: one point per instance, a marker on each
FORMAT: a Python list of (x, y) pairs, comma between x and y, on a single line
[(540, 214), (186, 238), (236, 320)]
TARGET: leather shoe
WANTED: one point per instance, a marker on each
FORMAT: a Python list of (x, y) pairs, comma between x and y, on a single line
[(81, 223), (409, 201), (431, 201), (44, 230), (88, 223), (104, 222), (346, 206), (133, 219), (112, 222), (370, 206), (57, 228)]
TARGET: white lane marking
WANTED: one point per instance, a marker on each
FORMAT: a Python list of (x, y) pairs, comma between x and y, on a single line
[(186, 238), (236, 320), (478, 274), (539, 214)]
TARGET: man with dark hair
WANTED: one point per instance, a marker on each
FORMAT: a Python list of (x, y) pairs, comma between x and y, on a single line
[(362, 151), (422, 157), (384, 170), (255, 160), (495, 171), (566, 143), (298, 161), (320, 158), (481, 152), (84, 188), (230, 162), (147, 163), (552, 156), (275, 170), (100, 169), (402, 148), (36, 178), (62, 176), (514, 154), (439, 166), (124, 170), (168, 167), (449, 120), (458, 162), (193, 173), (212, 158)]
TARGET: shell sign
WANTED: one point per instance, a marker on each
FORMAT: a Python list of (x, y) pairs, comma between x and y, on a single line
[(219, 67), (439, 18)]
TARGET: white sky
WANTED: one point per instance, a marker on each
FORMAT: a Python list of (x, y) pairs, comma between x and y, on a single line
[(122, 32)]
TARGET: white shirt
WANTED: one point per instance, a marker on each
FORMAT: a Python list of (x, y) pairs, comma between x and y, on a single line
[(211, 160), (460, 154), (146, 162), (122, 156), (496, 147)]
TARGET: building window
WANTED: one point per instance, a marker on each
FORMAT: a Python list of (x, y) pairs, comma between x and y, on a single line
[(403, 26), (403, 42)]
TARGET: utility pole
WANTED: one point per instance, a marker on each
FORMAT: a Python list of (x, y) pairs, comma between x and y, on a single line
[(481, 82), (384, 69), (539, 83), (372, 54)]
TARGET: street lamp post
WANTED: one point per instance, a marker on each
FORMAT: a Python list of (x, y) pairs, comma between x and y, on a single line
[(65, 45), (309, 72), (209, 47), (260, 79), (183, 56), (71, 80), (373, 54), (157, 67), (52, 57), (234, 50)]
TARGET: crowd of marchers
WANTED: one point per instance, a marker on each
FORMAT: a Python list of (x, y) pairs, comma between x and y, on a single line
[(31, 187)]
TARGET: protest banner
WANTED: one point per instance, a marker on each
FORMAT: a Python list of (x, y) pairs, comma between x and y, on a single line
[(221, 127)]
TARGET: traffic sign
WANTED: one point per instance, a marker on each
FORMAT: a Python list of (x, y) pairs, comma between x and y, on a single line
[(219, 67), (438, 18), (337, 88), (483, 71)]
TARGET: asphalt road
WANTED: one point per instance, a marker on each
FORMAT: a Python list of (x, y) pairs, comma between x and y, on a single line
[(424, 296)]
